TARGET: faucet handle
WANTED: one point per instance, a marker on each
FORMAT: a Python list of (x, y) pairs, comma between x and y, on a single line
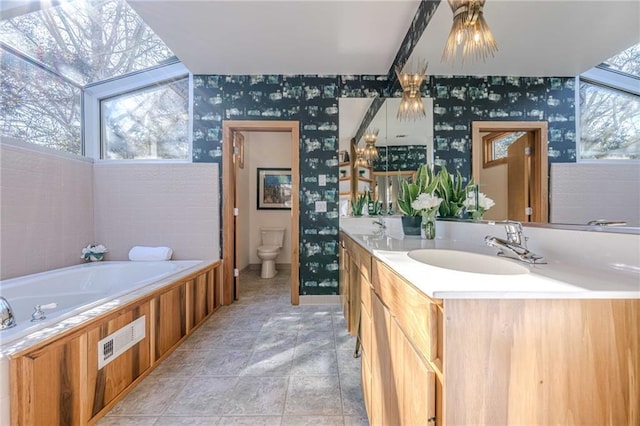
[(514, 232), (38, 311)]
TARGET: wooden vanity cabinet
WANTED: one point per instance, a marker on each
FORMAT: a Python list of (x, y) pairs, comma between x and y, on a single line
[(356, 263), (496, 361)]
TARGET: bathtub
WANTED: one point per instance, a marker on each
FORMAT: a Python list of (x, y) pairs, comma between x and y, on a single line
[(81, 292), (77, 289)]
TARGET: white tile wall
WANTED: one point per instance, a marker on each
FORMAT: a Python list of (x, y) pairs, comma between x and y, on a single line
[(46, 209), (581, 192), (174, 205)]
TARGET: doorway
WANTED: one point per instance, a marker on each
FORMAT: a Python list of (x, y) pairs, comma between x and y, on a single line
[(519, 166), (230, 164)]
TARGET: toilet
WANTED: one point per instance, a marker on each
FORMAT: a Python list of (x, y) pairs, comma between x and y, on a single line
[(272, 239)]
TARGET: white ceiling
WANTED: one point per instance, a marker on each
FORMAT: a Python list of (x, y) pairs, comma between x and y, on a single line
[(535, 38), (281, 37)]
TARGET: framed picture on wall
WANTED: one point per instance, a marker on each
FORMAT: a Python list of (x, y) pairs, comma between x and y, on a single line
[(274, 189)]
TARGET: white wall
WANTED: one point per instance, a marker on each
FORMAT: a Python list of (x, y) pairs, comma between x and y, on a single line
[(266, 149), (53, 204), (581, 192), (174, 205), (46, 215)]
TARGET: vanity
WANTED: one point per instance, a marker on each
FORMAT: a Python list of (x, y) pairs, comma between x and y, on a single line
[(451, 335)]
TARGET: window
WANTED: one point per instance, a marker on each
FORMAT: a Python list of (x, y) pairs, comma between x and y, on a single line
[(609, 109), (150, 123), (39, 107), (52, 56), (496, 146), (609, 123)]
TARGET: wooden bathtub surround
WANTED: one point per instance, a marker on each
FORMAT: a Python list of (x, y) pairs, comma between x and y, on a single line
[(491, 362), (58, 382)]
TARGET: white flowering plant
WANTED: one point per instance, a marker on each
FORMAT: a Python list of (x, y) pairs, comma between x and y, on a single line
[(426, 203), (478, 209), (93, 252)]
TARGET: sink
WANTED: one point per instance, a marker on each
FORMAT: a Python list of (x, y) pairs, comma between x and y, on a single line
[(468, 262)]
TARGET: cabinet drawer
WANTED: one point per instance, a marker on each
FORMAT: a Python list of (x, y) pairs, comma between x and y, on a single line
[(416, 314)]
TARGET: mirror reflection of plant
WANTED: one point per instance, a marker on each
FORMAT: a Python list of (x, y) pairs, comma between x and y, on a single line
[(424, 181), (358, 204), (452, 191)]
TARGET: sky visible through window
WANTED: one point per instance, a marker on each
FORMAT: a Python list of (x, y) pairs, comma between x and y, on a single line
[(49, 56), (86, 41)]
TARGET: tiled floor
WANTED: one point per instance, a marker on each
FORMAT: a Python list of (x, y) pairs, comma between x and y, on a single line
[(257, 362)]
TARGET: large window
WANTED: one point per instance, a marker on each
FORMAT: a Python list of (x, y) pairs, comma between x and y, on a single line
[(151, 123), (610, 109), (53, 56), (609, 123), (38, 107)]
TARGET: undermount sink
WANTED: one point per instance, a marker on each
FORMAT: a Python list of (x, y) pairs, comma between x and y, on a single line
[(468, 262)]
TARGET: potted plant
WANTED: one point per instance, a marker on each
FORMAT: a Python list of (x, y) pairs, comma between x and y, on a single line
[(94, 253), (359, 203), (452, 192), (424, 181)]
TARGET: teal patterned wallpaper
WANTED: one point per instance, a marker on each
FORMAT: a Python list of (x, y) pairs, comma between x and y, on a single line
[(313, 100)]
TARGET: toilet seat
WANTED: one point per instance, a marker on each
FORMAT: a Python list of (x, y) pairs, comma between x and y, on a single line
[(268, 249)]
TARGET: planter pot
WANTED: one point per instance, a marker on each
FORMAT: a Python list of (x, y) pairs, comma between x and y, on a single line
[(411, 225), (97, 257)]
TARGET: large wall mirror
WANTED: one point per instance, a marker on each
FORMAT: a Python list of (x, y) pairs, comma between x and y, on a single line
[(536, 190), (402, 147), (510, 164)]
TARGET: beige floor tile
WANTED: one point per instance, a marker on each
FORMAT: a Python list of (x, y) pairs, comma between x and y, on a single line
[(257, 362), (313, 395), (312, 421), (257, 396)]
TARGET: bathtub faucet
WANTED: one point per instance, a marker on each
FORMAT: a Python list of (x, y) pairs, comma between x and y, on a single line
[(38, 311), (6, 314)]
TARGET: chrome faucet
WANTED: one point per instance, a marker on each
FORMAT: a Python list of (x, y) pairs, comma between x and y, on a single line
[(6, 314), (515, 246), (38, 311)]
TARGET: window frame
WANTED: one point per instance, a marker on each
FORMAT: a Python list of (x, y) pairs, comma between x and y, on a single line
[(94, 93)]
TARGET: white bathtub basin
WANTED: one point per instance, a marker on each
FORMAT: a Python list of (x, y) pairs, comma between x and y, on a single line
[(468, 262)]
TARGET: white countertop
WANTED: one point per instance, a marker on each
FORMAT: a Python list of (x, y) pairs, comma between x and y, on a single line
[(555, 280)]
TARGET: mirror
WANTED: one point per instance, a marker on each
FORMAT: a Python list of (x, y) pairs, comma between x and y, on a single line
[(402, 147), (525, 188)]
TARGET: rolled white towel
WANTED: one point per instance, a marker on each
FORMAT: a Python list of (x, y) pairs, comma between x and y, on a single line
[(141, 253)]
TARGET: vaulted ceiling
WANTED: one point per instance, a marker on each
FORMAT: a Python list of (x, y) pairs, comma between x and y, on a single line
[(535, 38)]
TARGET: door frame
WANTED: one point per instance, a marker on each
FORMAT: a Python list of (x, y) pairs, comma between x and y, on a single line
[(228, 196), (540, 164)]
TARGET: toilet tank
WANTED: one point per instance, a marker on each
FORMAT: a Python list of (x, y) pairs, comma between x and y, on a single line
[(272, 236)]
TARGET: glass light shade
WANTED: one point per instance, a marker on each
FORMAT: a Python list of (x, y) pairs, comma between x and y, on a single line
[(469, 30), (411, 106)]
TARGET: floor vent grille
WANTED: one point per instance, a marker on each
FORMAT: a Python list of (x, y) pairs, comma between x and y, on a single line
[(115, 344)]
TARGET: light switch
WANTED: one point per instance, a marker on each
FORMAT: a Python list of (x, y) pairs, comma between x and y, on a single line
[(322, 180), (321, 206)]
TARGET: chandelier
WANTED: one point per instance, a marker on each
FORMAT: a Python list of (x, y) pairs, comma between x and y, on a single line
[(470, 30), (411, 106), (360, 161), (370, 152)]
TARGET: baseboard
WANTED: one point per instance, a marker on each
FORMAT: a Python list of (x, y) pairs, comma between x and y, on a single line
[(330, 299)]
